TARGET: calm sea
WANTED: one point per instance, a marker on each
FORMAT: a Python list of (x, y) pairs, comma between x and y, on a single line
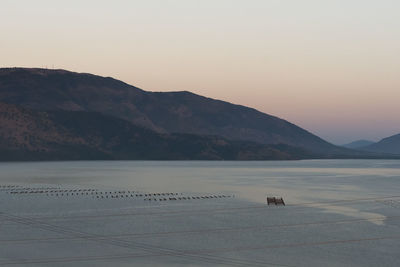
[(338, 213), (297, 181)]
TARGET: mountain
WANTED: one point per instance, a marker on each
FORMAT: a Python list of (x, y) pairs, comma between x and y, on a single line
[(74, 135), (358, 144), (169, 112), (390, 145)]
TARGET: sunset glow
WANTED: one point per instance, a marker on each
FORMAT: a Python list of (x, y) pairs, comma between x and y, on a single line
[(331, 67)]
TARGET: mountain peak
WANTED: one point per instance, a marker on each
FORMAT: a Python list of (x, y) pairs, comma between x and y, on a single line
[(358, 144), (389, 145)]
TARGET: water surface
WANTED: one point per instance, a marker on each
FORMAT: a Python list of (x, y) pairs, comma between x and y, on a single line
[(338, 213)]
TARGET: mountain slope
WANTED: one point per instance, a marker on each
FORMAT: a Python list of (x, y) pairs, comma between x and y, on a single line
[(173, 112), (358, 144), (389, 145), (73, 135)]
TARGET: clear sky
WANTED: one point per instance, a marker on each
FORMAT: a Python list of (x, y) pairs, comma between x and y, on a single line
[(329, 66)]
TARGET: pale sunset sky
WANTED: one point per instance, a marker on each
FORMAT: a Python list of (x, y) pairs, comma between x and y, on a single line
[(329, 66)]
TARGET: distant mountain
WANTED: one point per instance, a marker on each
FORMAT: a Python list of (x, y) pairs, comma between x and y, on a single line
[(358, 144), (170, 112), (75, 135), (389, 145)]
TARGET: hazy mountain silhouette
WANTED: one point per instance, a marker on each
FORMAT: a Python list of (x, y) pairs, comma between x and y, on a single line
[(389, 145), (169, 112), (358, 144)]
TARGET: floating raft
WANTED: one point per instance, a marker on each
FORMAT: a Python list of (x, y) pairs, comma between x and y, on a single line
[(275, 201)]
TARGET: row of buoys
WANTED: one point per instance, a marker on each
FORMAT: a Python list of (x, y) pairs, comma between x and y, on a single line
[(52, 191), (160, 199), (136, 194), (188, 198), (9, 186), (31, 188), (164, 199), (95, 193), (160, 194), (69, 194), (49, 190), (98, 194), (115, 196), (123, 192), (83, 192), (86, 194)]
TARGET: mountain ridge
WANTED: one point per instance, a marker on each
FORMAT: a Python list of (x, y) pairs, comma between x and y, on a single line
[(390, 145), (164, 112), (79, 135), (358, 144)]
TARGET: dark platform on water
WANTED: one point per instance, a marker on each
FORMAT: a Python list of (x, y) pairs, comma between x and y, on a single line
[(275, 201)]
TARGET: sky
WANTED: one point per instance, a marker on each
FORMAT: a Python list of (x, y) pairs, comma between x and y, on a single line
[(329, 66)]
